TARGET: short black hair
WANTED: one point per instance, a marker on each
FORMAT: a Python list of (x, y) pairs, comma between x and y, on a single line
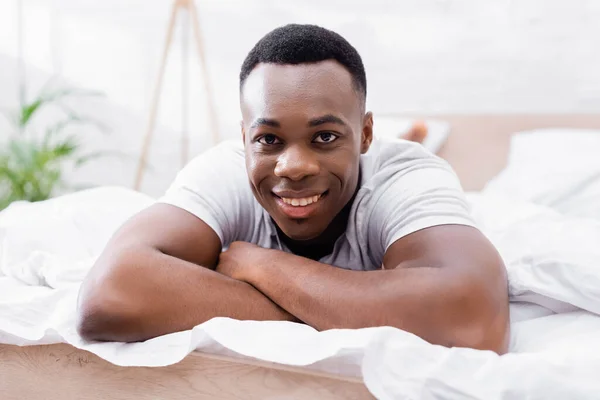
[(302, 44)]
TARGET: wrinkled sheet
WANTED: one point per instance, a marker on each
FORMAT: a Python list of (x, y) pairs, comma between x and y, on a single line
[(553, 264)]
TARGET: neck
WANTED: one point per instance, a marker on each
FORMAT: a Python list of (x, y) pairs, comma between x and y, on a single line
[(322, 245)]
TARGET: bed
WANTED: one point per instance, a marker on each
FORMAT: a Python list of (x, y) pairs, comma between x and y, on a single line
[(345, 365), (60, 371), (478, 145)]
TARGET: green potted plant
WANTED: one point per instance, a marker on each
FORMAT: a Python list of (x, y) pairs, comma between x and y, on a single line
[(32, 164)]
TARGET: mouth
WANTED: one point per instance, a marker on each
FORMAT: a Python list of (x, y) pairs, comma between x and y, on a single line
[(300, 207)]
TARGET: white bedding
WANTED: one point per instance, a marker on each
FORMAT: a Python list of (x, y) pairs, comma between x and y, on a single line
[(558, 168), (553, 262)]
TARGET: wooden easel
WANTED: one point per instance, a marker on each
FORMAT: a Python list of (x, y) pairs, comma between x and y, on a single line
[(189, 7)]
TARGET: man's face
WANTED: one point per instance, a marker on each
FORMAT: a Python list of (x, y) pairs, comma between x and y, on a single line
[(304, 129)]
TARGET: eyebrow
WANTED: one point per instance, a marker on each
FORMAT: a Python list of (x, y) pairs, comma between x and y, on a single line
[(326, 119), (265, 121)]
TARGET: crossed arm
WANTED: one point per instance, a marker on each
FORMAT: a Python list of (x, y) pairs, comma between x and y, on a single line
[(445, 284)]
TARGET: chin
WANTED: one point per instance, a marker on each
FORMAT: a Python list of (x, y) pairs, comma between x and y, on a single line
[(299, 229)]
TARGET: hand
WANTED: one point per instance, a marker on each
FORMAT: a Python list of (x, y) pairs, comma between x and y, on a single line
[(241, 261)]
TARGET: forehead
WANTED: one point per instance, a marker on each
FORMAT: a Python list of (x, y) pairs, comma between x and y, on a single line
[(312, 89)]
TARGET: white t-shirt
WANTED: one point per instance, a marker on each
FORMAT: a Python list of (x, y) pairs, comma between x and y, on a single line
[(403, 188)]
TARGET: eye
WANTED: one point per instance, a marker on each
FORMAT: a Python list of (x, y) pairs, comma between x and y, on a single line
[(269, 139), (325, 137)]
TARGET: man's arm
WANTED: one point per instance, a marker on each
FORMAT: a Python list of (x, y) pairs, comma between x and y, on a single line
[(446, 284), (156, 276)]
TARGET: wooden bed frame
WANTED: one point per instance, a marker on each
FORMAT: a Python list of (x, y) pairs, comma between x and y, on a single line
[(478, 145), (476, 148), (60, 371)]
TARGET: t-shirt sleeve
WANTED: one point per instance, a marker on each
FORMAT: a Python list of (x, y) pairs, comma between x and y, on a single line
[(421, 194), (214, 187)]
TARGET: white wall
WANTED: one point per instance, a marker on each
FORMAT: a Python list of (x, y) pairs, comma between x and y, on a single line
[(421, 56)]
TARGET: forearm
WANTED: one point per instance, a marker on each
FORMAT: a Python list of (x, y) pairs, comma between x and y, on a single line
[(428, 302), (323, 296), (152, 294)]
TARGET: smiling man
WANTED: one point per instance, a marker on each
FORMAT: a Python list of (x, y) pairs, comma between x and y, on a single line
[(308, 219)]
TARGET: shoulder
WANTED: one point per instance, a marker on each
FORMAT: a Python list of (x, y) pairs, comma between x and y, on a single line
[(214, 187), (392, 161), (407, 188)]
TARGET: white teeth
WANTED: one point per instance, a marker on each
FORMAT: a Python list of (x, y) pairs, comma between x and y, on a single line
[(301, 202)]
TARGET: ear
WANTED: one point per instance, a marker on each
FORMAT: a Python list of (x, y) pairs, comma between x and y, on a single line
[(243, 132), (367, 132)]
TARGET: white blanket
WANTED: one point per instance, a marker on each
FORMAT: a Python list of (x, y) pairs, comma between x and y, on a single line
[(553, 263)]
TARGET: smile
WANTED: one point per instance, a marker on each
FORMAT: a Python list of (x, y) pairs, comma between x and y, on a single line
[(301, 202), (299, 207)]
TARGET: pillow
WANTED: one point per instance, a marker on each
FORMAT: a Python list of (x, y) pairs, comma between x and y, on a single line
[(437, 131), (576, 146), (557, 168), (551, 258)]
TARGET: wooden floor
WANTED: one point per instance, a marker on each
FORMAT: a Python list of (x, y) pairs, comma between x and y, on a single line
[(62, 372)]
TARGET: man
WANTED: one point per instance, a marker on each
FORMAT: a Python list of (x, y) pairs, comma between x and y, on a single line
[(307, 221)]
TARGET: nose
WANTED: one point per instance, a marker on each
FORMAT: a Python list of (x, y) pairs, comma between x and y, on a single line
[(296, 163)]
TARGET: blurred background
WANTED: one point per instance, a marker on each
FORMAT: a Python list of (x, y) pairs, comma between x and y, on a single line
[(77, 77)]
